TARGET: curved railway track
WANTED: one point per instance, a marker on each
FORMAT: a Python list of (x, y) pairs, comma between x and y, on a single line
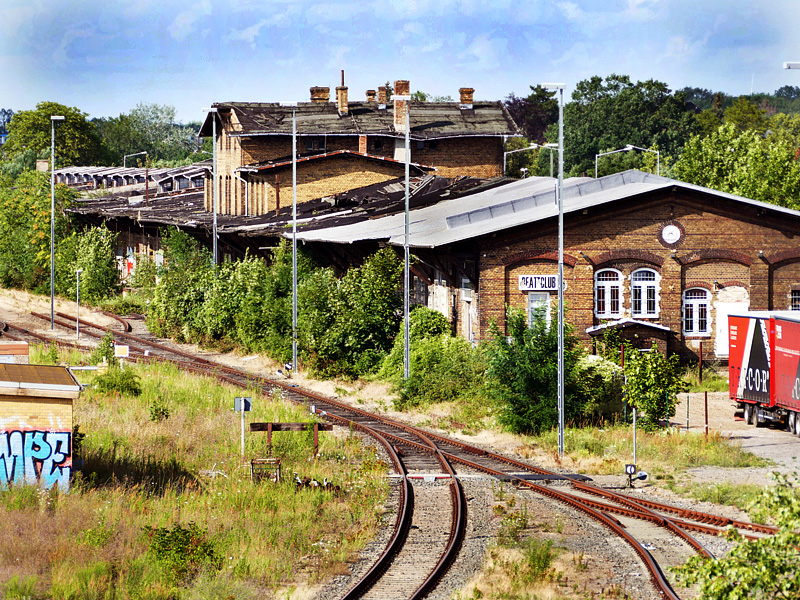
[(432, 510)]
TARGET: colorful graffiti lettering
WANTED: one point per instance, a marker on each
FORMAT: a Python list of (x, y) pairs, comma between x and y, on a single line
[(35, 457)]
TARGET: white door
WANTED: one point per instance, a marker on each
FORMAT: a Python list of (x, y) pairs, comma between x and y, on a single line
[(722, 310)]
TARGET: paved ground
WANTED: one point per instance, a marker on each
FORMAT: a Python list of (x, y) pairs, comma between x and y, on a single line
[(772, 443)]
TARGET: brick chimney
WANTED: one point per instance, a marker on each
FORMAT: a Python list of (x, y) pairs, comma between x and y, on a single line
[(466, 97), (382, 96), (341, 100), (401, 88), (320, 94), (370, 95)]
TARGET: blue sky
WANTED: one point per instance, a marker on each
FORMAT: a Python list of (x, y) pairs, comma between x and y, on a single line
[(106, 57)]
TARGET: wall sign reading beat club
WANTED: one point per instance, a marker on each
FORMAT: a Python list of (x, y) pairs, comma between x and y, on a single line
[(539, 283)]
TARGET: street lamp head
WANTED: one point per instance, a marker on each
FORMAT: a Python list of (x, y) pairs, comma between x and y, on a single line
[(629, 147), (551, 145), (56, 118), (79, 271), (554, 86), (791, 65)]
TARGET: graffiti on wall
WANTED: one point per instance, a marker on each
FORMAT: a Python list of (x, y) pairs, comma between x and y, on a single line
[(35, 457)]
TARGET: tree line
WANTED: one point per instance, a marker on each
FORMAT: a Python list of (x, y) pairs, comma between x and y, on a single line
[(81, 141), (745, 145)]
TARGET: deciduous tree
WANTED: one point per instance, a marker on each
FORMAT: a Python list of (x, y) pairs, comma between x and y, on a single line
[(77, 141)]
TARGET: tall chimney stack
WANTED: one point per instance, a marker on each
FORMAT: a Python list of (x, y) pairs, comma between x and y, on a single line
[(320, 94), (382, 96), (370, 95), (401, 88), (466, 97), (341, 100)]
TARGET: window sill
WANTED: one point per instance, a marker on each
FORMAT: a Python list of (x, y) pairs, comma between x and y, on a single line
[(696, 336)]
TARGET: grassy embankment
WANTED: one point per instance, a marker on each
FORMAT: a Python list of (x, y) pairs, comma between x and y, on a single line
[(141, 522)]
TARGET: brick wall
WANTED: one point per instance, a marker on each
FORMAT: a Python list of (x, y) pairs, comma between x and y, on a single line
[(476, 157), (324, 178), (720, 243)]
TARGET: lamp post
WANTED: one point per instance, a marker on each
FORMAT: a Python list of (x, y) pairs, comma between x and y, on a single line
[(125, 158), (213, 112), (628, 148), (53, 120), (78, 304), (791, 65), (294, 239), (559, 87), (532, 146)]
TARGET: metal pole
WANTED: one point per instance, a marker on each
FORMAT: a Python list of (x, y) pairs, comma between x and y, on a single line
[(407, 278), (294, 239), (634, 435), (52, 221), (78, 304), (214, 179), (53, 120), (561, 271), (242, 411)]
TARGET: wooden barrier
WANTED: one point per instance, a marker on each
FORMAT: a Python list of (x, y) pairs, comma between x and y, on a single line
[(270, 427)]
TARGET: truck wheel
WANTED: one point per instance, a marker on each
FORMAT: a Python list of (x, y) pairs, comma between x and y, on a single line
[(748, 414), (796, 424), (758, 422), (790, 421)]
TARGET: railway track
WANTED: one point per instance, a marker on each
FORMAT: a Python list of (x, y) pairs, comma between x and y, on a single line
[(432, 511)]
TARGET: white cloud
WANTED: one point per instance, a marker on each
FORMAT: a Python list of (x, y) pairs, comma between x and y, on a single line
[(184, 22), (247, 35), (60, 55), (486, 52)]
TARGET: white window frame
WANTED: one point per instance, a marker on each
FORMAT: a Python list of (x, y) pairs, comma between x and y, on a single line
[(695, 310), (604, 292), (535, 300), (647, 293), (794, 299)]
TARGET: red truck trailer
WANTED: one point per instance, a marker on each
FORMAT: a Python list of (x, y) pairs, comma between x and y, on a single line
[(764, 367)]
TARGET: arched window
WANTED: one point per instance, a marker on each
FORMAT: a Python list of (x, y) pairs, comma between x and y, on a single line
[(608, 294), (696, 320), (645, 293)]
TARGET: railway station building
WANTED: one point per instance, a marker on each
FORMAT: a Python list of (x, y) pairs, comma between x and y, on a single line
[(662, 261)]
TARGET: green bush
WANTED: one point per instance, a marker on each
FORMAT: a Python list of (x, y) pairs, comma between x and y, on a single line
[(604, 379), (443, 368), (104, 350), (117, 379), (348, 325), (653, 382), (523, 371), (183, 551)]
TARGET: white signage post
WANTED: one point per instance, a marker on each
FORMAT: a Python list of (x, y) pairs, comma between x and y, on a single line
[(121, 352), (242, 405)]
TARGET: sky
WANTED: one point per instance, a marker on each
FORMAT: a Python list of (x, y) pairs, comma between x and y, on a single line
[(105, 57)]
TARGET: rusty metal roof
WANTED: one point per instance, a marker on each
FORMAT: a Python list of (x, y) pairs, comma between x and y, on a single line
[(428, 120), (15, 377)]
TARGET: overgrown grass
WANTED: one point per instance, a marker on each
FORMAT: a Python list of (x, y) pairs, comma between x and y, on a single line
[(141, 475), (738, 495), (605, 451), (713, 379)]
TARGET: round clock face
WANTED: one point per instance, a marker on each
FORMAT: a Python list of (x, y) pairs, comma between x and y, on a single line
[(671, 234)]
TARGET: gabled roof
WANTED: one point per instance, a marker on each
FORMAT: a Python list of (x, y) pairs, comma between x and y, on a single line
[(428, 120), (287, 162), (518, 203)]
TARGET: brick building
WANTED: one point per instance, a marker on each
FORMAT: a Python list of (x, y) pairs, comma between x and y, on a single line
[(344, 144), (36, 425), (663, 261)]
